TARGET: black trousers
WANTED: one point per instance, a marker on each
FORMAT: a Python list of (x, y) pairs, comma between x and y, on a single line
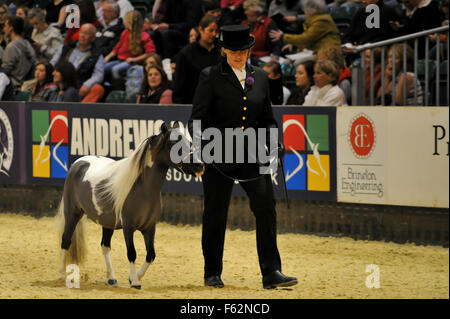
[(217, 193)]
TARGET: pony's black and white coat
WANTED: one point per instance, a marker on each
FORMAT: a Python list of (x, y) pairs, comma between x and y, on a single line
[(118, 194)]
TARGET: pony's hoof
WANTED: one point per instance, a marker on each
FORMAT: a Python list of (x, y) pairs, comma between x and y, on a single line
[(135, 286), (112, 282)]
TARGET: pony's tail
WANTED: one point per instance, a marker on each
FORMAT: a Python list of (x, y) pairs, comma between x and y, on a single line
[(76, 254)]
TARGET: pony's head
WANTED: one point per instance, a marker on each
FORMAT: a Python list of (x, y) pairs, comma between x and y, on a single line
[(172, 148)]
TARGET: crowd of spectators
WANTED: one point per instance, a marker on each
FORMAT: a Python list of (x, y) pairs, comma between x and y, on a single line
[(158, 57)]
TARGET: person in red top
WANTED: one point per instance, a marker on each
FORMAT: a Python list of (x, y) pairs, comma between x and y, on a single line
[(133, 47), (260, 26)]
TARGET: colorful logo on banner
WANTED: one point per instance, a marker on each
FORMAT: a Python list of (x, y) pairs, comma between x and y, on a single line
[(307, 159), (362, 136), (50, 143), (6, 144)]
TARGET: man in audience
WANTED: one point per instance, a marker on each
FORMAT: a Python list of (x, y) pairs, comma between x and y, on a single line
[(47, 39), (108, 34), (88, 62), (19, 58)]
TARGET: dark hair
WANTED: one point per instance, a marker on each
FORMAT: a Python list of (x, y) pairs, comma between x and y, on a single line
[(206, 21), (48, 71), (68, 74), (309, 68), (209, 5), (275, 67), (17, 24), (165, 83)]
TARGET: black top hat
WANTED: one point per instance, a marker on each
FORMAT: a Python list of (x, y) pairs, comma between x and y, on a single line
[(236, 37)]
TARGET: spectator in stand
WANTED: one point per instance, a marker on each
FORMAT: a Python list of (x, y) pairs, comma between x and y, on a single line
[(65, 78), (156, 87), (233, 11), (108, 34), (325, 91), (88, 62), (55, 12), (290, 11), (345, 75), (411, 79), (212, 7), (303, 80), (194, 35), (442, 37), (87, 15), (193, 59), (153, 59), (124, 7), (179, 16), (319, 29), (28, 28), (42, 86), (133, 47), (376, 72), (279, 94), (360, 33), (18, 59), (4, 14), (47, 40), (260, 27), (6, 87), (421, 15)]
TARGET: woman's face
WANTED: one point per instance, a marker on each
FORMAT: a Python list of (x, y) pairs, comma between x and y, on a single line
[(367, 59), (192, 36), (390, 61), (208, 34), (321, 78), (39, 73), (154, 78), (151, 61), (301, 77), (57, 77), (236, 59)]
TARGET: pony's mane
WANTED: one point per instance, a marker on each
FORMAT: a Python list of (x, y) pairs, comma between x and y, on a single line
[(123, 174)]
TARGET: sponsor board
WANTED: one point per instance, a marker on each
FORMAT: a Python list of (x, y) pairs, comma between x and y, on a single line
[(393, 156), (62, 133), (12, 153)]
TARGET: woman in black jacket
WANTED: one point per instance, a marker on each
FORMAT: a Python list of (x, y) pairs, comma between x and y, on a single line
[(235, 94)]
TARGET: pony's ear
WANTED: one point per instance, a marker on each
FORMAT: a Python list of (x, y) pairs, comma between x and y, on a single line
[(176, 124), (143, 154), (164, 128)]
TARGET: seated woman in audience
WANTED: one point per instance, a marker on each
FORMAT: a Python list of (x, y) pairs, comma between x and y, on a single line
[(64, 77), (4, 14), (155, 87), (153, 59), (376, 71), (334, 54), (400, 78), (42, 86), (325, 91), (134, 46), (303, 80), (319, 29)]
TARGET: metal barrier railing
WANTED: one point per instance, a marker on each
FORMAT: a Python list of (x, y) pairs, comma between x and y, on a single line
[(358, 73)]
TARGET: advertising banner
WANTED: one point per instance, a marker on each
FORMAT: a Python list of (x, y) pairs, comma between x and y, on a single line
[(12, 138), (393, 156), (59, 134)]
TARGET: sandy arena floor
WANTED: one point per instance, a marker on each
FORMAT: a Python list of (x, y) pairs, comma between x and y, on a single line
[(326, 267)]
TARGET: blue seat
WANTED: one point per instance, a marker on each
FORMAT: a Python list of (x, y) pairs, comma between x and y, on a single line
[(116, 96)]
